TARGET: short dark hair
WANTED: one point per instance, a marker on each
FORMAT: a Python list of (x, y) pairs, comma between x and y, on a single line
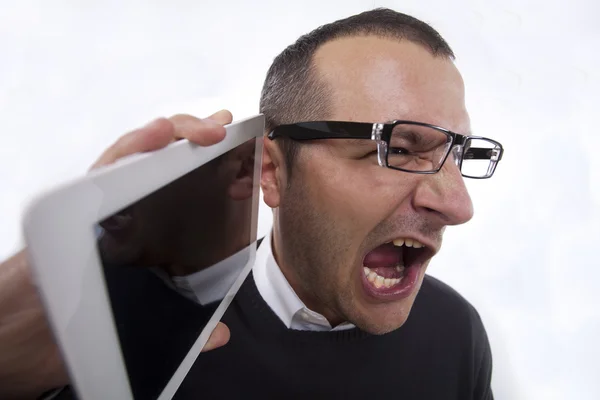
[(293, 92)]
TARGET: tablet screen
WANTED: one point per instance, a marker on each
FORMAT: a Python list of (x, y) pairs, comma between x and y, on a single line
[(170, 258)]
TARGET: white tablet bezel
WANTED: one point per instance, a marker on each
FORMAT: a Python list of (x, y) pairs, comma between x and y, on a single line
[(58, 230)]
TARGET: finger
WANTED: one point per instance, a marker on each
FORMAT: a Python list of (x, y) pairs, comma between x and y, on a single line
[(160, 132), (219, 337), (223, 117), (204, 132), (155, 135)]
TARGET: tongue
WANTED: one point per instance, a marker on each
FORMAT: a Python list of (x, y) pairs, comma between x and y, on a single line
[(386, 255), (384, 259)]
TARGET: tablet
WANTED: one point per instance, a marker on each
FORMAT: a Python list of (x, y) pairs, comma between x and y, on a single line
[(136, 262)]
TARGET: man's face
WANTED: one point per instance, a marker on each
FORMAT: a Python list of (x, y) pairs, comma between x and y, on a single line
[(340, 208)]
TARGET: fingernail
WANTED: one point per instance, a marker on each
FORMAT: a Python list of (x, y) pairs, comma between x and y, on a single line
[(216, 117)]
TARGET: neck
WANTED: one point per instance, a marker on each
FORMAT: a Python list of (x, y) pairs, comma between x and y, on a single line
[(291, 275)]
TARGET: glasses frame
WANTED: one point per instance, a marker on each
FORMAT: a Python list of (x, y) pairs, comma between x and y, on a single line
[(381, 133)]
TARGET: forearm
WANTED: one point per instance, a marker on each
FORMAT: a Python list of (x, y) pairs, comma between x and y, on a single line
[(29, 359)]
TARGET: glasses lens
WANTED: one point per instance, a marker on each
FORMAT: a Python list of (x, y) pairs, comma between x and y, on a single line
[(417, 148), (479, 158)]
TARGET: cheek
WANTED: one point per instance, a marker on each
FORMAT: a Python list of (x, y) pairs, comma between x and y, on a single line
[(356, 194)]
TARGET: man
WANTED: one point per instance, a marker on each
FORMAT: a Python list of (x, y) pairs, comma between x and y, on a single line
[(364, 171)]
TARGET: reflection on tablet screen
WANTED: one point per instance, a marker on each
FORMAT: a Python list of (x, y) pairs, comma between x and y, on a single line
[(170, 258)]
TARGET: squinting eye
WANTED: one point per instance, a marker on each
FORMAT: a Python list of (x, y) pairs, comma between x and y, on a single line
[(398, 151)]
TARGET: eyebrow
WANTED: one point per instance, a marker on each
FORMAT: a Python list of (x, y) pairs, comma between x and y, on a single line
[(413, 137), (390, 120), (357, 142)]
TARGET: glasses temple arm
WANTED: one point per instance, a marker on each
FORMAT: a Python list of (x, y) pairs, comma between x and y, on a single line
[(478, 153)]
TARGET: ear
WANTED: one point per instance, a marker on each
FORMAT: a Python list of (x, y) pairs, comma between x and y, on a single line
[(273, 176), (121, 240), (243, 183)]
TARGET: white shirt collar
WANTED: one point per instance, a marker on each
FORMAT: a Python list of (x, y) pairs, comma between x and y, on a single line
[(213, 283), (281, 297)]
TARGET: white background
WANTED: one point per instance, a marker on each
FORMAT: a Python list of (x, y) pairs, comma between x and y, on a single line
[(76, 75)]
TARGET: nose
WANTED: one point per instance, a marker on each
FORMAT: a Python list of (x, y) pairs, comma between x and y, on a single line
[(443, 197)]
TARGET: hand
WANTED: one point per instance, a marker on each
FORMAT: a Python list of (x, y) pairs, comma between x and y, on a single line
[(30, 362), (160, 133)]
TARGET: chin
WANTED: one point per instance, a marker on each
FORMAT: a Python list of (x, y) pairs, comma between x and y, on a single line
[(382, 321), (384, 310)]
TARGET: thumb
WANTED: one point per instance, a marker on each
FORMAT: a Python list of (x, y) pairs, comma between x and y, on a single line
[(223, 117), (219, 337)]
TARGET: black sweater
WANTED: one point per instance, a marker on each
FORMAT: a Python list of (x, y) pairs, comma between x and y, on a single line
[(441, 352)]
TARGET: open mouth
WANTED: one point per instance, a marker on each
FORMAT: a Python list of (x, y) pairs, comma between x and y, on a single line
[(393, 268)]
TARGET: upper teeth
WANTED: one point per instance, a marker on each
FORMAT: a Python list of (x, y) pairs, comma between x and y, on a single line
[(408, 243)]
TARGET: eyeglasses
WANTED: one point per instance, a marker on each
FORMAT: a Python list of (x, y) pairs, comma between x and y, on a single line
[(408, 146)]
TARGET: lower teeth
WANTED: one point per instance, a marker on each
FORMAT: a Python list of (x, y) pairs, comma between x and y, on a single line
[(379, 281)]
